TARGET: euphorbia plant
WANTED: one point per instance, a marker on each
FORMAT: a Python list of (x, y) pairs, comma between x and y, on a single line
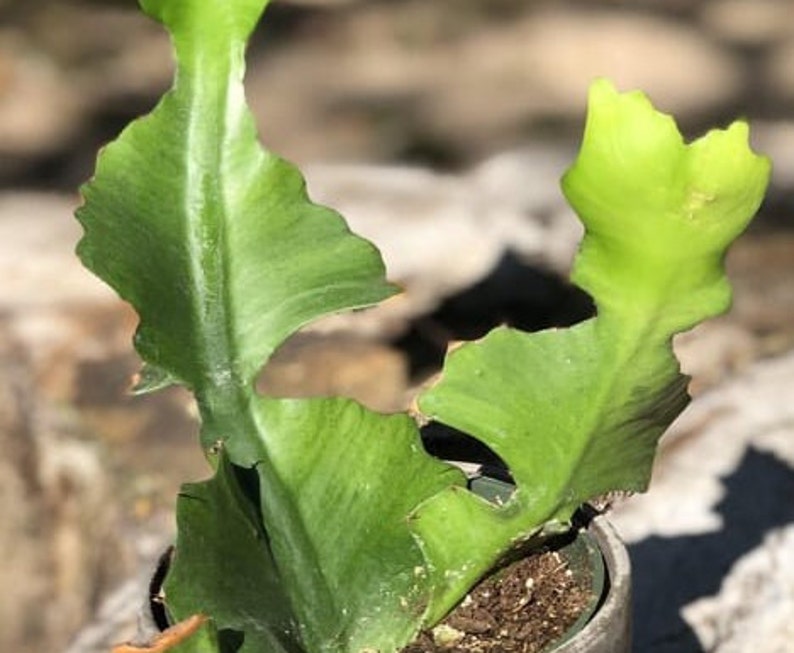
[(326, 526)]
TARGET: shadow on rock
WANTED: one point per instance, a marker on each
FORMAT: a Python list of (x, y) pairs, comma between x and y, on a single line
[(514, 293), (672, 572)]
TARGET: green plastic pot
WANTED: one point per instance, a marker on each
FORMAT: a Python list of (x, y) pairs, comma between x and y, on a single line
[(608, 629), (605, 626)]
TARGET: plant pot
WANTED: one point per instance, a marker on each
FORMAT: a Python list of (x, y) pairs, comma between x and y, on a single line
[(604, 627), (609, 629)]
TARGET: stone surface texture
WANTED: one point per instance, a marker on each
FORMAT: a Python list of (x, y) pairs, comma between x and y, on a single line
[(449, 81), (755, 602), (711, 540), (61, 546)]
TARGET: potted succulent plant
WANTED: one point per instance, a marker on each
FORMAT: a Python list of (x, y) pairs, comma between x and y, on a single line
[(326, 526)]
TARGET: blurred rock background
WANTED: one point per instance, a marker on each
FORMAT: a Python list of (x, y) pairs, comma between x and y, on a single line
[(440, 128)]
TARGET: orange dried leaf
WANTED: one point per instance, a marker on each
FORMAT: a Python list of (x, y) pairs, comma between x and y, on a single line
[(169, 638)]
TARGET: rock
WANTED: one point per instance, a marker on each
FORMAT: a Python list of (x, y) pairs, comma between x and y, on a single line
[(753, 609), (39, 108), (320, 3), (123, 614), (78, 336), (761, 320), (56, 309), (775, 139), (778, 70), (427, 225), (38, 235), (308, 365), (714, 523), (714, 351), (542, 66), (116, 619), (432, 81), (749, 22), (759, 266), (422, 77), (59, 533), (65, 340), (522, 204), (113, 54)]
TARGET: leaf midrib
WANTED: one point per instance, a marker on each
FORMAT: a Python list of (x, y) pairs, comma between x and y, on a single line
[(207, 215)]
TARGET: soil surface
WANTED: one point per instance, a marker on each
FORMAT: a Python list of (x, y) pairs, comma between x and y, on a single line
[(522, 608)]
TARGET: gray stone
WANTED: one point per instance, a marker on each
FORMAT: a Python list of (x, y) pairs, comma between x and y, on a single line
[(711, 540), (427, 225), (123, 614), (59, 532), (753, 610), (544, 64), (778, 70), (340, 365), (55, 308), (749, 22), (524, 206), (775, 139), (443, 73), (65, 362), (38, 107)]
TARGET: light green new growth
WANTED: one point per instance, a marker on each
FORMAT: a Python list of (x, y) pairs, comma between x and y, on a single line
[(576, 413), (326, 526)]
